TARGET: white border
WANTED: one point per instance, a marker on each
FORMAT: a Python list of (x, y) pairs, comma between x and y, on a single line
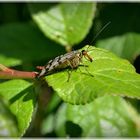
[(132, 1)]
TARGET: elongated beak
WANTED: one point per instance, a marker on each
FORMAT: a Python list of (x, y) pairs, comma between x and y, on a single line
[(90, 59), (85, 54)]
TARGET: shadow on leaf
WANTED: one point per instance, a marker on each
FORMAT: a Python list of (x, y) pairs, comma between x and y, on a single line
[(27, 93)]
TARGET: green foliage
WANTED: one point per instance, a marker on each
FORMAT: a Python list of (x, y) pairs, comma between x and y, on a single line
[(48, 124), (8, 125), (107, 116), (31, 34), (61, 23), (21, 98), (108, 73), (26, 45), (125, 46)]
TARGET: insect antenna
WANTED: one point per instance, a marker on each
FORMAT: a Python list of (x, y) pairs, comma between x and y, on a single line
[(85, 54), (98, 33)]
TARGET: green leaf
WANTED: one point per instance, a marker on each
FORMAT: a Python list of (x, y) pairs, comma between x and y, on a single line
[(20, 95), (125, 46), (60, 121), (8, 125), (111, 75), (25, 44), (66, 23), (108, 116), (48, 125)]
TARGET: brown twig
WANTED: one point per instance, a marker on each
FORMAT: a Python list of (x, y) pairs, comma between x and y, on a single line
[(7, 73)]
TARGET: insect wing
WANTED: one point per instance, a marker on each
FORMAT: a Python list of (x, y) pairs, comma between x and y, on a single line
[(68, 56), (60, 61)]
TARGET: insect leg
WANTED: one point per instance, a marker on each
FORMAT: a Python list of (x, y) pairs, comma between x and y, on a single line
[(85, 67), (88, 71), (69, 70), (42, 73), (69, 74)]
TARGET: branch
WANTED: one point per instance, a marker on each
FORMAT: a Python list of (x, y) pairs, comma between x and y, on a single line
[(7, 73)]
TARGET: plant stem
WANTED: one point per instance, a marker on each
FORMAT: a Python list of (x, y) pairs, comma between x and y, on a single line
[(7, 73)]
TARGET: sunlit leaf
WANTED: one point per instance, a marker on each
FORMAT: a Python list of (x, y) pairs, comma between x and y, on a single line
[(109, 75), (126, 46), (106, 117), (20, 95), (66, 23), (8, 124)]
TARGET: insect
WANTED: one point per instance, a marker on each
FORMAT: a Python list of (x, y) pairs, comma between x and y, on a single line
[(71, 59)]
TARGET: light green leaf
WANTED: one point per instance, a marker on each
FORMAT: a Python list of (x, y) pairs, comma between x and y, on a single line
[(66, 23), (23, 43), (48, 124), (111, 75), (60, 121), (21, 97), (108, 116), (126, 46), (8, 125)]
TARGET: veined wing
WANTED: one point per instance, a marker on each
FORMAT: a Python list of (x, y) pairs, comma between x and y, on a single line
[(60, 60)]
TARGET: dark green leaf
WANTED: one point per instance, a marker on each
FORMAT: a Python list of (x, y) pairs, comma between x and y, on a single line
[(22, 43), (53, 103)]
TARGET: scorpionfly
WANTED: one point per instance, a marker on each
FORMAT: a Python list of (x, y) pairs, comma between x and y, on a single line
[(71, 59)]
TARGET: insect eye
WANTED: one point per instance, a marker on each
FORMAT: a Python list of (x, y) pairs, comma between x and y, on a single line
[(84, 52)]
